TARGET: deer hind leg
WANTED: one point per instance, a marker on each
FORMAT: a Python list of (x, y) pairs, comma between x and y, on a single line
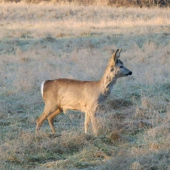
[(86, 123), (47, 110), (51, 117)]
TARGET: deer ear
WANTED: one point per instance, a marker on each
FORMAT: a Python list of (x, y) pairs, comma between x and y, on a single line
[(120, 51), (116, 55)]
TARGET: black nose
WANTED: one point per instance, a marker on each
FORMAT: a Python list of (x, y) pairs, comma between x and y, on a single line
[(130, 73)]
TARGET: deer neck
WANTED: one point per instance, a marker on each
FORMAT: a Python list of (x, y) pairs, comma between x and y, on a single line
[(107, 82)]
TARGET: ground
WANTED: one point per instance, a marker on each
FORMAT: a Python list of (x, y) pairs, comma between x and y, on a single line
[(45, 41)]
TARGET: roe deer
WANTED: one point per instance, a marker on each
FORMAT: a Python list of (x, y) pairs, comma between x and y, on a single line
[(62, 94)]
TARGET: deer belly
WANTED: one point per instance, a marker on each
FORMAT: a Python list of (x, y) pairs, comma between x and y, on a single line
[(71, 107)]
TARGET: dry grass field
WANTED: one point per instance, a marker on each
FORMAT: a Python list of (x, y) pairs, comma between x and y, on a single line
[(46, 41)]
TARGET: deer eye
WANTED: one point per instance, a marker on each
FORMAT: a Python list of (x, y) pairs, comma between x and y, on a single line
[(112, 69), (121, 66)]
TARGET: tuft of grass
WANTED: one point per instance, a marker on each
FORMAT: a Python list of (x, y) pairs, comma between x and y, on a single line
[(126, 3)]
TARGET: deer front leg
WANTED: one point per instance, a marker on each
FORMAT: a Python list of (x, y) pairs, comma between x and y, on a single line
[(94, 122), (86, 123)]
